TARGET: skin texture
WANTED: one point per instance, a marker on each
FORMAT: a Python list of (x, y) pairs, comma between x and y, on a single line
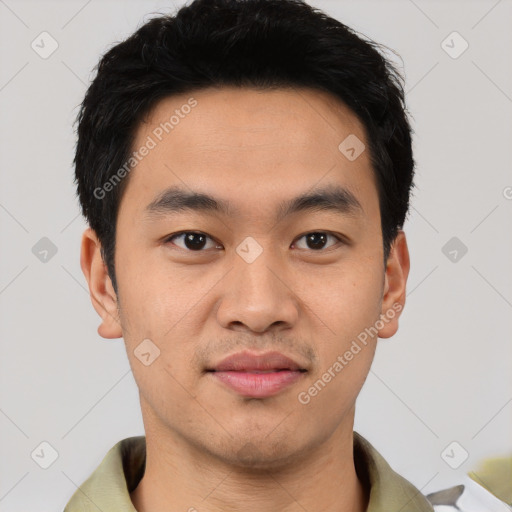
[(208, 447)]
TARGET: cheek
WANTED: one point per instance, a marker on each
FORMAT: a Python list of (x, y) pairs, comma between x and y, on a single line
[(160, 350), (160, 306), (336, 390), (346, 299), (349, 308), (345, 311), (331, 393), (153, 295)]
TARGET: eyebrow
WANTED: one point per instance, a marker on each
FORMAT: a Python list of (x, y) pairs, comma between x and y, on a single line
[(336, 199)]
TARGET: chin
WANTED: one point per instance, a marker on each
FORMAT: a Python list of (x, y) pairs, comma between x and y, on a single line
[(260, 454)]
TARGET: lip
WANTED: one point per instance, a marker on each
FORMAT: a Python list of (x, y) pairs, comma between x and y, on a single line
[(249, 361), (257, 375)]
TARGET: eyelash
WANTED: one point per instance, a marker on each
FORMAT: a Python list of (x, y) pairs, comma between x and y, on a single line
[(328, 233)]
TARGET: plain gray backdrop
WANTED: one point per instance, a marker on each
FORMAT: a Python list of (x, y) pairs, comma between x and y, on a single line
[(444, 378)]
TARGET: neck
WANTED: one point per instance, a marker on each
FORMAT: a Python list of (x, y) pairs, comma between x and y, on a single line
[(184, 478)]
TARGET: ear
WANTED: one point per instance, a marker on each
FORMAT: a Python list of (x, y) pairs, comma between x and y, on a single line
[(103, 296), (395, 280)]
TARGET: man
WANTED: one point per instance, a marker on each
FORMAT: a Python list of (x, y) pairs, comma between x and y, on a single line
[(245, 169)]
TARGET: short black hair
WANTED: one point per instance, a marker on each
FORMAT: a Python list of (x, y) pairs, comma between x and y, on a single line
[(264, 44)]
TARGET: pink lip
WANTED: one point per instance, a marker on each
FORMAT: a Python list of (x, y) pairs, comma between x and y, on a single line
[(242, 372)]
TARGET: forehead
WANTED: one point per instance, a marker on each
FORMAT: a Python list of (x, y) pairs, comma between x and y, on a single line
[(260, 145)]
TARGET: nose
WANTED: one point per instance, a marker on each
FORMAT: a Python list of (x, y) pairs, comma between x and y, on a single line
[(258, 296)]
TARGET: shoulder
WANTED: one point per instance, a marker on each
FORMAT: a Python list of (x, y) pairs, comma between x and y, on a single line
[(387, 489), (108, 487)]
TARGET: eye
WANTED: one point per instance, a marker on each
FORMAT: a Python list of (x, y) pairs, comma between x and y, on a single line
[(193, 241), (196, 241), (317, 240)]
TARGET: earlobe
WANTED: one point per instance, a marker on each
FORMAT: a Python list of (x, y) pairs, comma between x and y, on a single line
[(103, 296), (395, 281)]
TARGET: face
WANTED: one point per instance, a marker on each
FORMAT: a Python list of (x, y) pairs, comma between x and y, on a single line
[(250, 269)]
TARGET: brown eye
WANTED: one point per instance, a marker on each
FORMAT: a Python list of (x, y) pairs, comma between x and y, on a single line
[(192, 241), (317, 240)]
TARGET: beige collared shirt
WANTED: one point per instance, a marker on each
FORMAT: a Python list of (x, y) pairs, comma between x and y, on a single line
[(108, 488)]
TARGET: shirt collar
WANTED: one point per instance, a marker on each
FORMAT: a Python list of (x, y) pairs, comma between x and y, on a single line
[(109, 486), (389, 492)]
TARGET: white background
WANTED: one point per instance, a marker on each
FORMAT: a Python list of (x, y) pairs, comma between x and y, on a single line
[(445, 376)]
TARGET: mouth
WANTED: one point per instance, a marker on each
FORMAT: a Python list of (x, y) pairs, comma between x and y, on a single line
[(257, 376)]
